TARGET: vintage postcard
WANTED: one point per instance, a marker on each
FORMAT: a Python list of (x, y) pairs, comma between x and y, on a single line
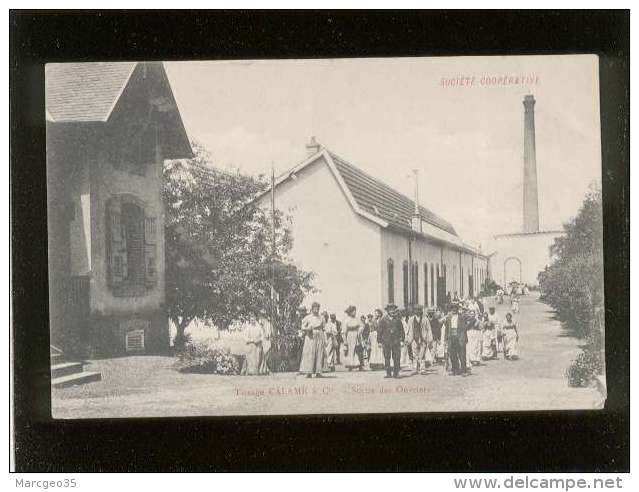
[(380, 235)]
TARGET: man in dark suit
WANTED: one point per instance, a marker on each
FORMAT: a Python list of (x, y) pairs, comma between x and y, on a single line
[(390, 333), (456, 339)]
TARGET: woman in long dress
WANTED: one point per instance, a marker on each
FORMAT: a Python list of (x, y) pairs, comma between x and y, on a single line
[(267, 334), (254, 349), (442, 346), (474, 339), (364, 343), (489, 338), (376, 360), (350, 329), (313, 351), (493, 319), (511, 338), (330, 331), (406, 358)]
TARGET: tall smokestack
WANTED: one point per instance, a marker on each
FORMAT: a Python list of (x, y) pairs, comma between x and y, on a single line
[(531, 204)]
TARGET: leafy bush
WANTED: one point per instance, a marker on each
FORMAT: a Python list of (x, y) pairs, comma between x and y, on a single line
[(202, 359), (583, 370), (573, 286)]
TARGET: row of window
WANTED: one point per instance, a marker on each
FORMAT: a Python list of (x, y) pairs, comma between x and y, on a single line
[(435, 286), (411, 283)]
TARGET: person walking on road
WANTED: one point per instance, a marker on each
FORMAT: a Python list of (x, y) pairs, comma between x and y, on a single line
[(330, 331), (420, 337), (376, 360), (511, 338), (351, 328), (474, 334), (254, 350), (489, 338), (390, 333), (313, 351), (456, 338)]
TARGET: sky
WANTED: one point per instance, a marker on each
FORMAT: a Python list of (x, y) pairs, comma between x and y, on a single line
[(389, 116)]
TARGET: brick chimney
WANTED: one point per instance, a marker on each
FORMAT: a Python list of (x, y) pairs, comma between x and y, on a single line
[(312, 147), (531, 203)]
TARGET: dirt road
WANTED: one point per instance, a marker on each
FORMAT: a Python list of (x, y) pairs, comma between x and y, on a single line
[(148, 386)]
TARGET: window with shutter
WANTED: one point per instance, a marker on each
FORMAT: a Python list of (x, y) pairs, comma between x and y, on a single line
[(131, 247), (415, 282), (150, 233), (390, 267), (405, 278), (150, 251), (117, 250)]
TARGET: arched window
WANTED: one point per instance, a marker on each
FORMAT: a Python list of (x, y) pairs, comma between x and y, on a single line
[(405, 278), (390, 269)]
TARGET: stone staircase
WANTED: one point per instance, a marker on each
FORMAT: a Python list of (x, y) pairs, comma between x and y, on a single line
[(65, 373)]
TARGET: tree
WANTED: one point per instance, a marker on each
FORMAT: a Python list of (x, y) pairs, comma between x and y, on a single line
[(219, 257), (573, 284)]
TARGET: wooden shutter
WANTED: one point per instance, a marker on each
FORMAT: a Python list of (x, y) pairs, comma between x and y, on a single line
[(117, 248), (150, 251), (150, 230), (391, 280)]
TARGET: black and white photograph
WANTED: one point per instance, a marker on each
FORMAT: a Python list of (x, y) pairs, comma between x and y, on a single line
[(319, 241), (325, 236)]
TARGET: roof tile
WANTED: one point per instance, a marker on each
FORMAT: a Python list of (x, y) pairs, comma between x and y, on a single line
[(84, 92), (377, 198)]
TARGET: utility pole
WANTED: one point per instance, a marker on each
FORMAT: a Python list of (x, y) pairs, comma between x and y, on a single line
[(416, 226)]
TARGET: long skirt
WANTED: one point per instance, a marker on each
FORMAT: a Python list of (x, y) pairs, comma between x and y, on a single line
[(313, 353), (376, 359), (489, 344), (266, 355), (406, 355), (351, 358), (331, 351), (254, 356), (474, 346), (511, 345)]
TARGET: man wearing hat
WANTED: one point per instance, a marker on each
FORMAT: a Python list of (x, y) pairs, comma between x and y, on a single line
[(456, 339), (390, 333), (420, 337)]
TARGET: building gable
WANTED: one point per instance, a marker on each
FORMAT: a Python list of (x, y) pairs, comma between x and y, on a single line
[(100, 93)]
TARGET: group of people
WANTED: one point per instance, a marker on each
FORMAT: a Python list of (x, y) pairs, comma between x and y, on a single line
[(514, 292), (258, 334), (460, 338)]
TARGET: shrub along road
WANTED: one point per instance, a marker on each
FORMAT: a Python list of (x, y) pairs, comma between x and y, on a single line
[(143, 386)]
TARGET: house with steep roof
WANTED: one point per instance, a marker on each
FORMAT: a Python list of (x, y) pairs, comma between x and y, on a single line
[(110, 126), (368, 244)]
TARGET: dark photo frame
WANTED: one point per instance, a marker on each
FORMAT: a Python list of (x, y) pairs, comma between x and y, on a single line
[(584, 441)]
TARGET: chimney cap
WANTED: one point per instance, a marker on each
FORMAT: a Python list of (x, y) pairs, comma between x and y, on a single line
[(313, 147)]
